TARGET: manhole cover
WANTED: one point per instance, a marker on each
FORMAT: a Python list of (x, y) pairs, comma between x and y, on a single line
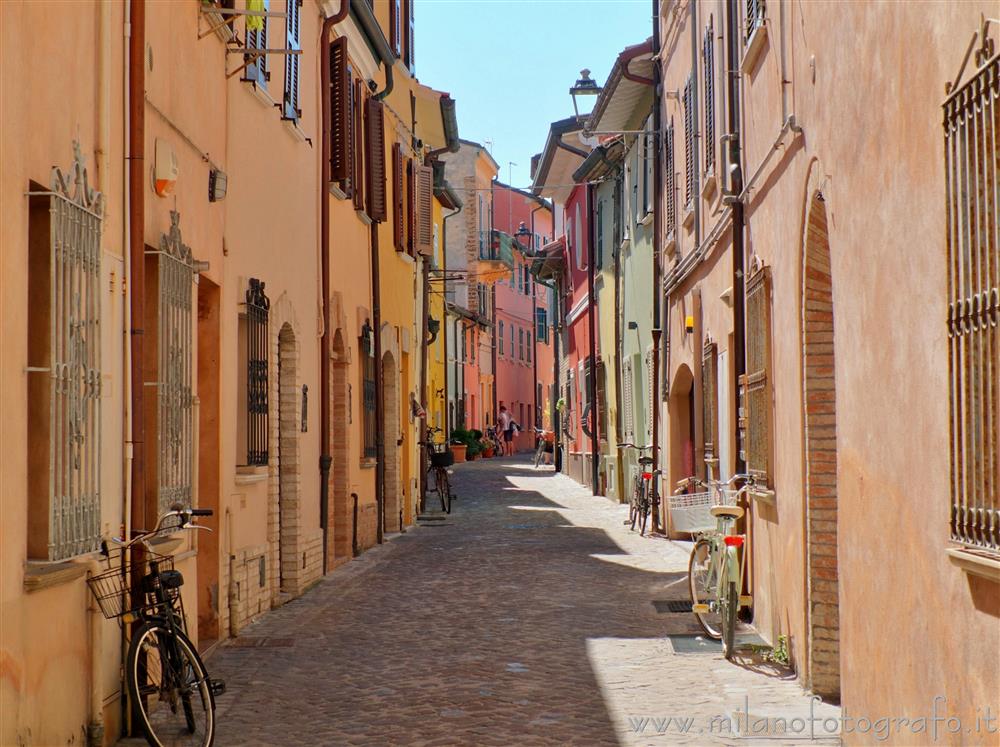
[(431, 518), (252, 641), (672, 605), (694, 644)]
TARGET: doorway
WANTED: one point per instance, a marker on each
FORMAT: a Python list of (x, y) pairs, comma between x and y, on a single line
[(208, 460)]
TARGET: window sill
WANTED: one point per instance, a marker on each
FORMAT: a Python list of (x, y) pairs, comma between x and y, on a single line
[(369, 463), (292, 128), (246, 475), (688, 220), (646, 219), (754, 47), (337, 192), (40, 575), (670, 245), (167, 544), (260, 93), (708, 188), (363, 216), (406, 258), (980, 564), (764, 496), (626, 243)]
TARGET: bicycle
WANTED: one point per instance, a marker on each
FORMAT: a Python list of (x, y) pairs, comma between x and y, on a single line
[(715, 569), (440, 458), (644, 492), (543, 446), (166, 678), (493, 438)]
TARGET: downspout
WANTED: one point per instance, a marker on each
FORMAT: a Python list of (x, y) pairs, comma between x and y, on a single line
[(493, 346), (325, 459), (425, 315), (657, 239), (536, 405), (591, 324), (444, 320), (617, 253)]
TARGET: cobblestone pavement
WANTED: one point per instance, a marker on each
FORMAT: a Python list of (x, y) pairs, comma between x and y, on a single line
[(525, 618)]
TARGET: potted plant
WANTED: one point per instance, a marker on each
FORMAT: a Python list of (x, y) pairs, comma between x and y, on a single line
[(459, 445), (472, 450)]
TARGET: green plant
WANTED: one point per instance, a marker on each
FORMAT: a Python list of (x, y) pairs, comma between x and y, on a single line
[(474, 448), (460, 436), (775, 654)]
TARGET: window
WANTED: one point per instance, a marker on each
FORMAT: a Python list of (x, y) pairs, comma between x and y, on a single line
[(708, 55), (578, 238), (367, 348), (599, 259), (689, 142), (500, 337), (257, 307), (355, 144), (637, 170), (290, 108), (411, 208), (541, 325), (341, 168), (756, 385), (423, 219), (973, 307), (512, 341), (520, 277), (670, 181), (755, 16), (375, 159), (710, 399), (64, 367), (527, 346), (396, 26), (651, 144), (408, 54), (472, 346), (520, 344), (256, 61), (398, 238), (628, 401)]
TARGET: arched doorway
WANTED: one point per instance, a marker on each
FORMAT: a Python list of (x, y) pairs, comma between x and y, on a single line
[(340, 393), (820, 423), (390, 436), (286, 455), (682, 432)]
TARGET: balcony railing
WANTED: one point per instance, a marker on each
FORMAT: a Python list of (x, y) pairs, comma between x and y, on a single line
[(496, 246)]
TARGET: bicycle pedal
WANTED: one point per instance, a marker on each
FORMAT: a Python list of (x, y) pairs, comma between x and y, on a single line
[(700, 609), (218, 687)]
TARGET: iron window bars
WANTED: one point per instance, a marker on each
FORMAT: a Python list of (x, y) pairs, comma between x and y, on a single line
[(257, 308), (971, 124), (76, 216)]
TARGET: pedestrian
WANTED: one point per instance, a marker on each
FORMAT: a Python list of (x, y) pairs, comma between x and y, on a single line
[(504, 423)]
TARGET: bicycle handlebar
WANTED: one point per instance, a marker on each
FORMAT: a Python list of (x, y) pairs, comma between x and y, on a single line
[(186, 515), (630, 445)]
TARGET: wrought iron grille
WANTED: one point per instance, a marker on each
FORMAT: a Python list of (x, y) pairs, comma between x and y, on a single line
[(670, 219), (971, 124), (76, 214), (708, 54), (755, 16), (368, 390), (689, 141), (628, 401), (709, 398), (175, 423), (257, 306), (756, 382)]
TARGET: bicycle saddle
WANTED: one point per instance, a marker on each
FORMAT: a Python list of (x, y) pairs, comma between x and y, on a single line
[(645, 460), (734, 512)]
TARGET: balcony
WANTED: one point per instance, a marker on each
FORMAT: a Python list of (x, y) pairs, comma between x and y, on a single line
[(496, 254)]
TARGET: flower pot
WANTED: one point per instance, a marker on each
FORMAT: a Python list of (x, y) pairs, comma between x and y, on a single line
[(459, 451), (488, 452)]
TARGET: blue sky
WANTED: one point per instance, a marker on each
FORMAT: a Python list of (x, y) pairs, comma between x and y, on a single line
[(509, 64)]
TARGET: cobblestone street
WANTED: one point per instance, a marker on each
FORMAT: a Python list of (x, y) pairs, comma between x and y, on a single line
[(527, 617)]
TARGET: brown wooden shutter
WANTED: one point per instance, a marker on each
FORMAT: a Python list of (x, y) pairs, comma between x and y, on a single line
[(424, 228), (340, 90), (411, 208), (710, 400), (397, 197), (357, 147), (375, 161), (756, 382)]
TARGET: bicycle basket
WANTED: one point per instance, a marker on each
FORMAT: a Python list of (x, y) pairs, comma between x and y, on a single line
[(111, 592), (689, 512), (442, 458)]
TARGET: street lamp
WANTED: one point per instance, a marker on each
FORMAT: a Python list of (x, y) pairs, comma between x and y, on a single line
[(585, 86), (522, 232)]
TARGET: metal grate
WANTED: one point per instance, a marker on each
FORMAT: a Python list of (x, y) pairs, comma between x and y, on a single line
[(710, 399), (175, 424), (756, 382), (664, 606), (258, 305), (689, 141), (368, 389), (670, 219), (971, 124), (708, 55), (755, 16), (76, 214)]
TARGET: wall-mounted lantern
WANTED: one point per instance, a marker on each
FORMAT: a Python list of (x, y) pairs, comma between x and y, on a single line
[(585, 86)]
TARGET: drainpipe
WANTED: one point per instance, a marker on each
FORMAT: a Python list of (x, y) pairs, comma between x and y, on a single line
[(591, 333), (616, 253), (534, 333), (444, 320), (657, 240), (493, 346), (324, 238), (424, 316)]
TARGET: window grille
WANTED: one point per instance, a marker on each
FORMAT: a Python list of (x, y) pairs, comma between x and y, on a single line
[(670, 181), (649, 399), (290, 108), (971, 124), (256, 64), (175, 421), (708, 53), (257, 306), (628, 401), (709, 398), (76, 215), (689, 141), (367, 344), (756, 382), (755, 16)]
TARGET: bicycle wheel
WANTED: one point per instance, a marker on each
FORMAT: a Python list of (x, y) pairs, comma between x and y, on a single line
[(444, 489), (701, 585), (170, 689), (633, 505), (643, 508), (538, 453), (729, 609)]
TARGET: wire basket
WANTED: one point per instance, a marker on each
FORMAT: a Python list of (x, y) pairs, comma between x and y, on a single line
[(691, 512), (110, 589)]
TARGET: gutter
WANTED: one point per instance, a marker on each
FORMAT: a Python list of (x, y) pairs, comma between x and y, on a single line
[(325, 459), (592, 352), (658, 299), (449, 122)]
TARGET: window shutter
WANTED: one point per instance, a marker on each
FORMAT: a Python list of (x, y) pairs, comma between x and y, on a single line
[(340, 89), (425, 209), (650, 395), (256, 69), (410, 59), (397, 197), (710, 402), (628, 403), (395, 24), (709, 57), (670, 182), (411, 208), (375, 147), (689, 143), (356, 146), (756, 384), (291, 102)]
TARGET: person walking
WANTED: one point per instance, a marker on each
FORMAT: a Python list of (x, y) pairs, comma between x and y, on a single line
[(506, 425)]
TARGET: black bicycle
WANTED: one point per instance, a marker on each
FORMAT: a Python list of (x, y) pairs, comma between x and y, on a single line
[(168, 686), (645, 495), (440, 458)]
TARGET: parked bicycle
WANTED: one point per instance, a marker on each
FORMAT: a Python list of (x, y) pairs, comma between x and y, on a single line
[(493, 437), (546, 445), (645, 493), (440, 458), (168, 685), (715, 569)]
